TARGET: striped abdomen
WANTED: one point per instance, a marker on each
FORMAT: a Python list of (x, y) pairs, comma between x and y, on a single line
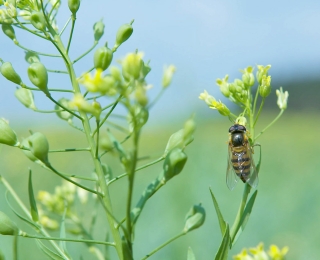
[(241, 162)]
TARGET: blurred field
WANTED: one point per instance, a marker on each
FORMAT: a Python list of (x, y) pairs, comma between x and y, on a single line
[(286, 212)]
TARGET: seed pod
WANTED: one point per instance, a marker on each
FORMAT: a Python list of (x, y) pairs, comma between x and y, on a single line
[(7, 226), (174, 163), (74, 6), (38, 21), (102, 58), (65, 115), (38, 75), (31, 57), (98, 30), (123, 34), (25, 96), (39, 146), (9, 73), (9, 31), (7, 135)]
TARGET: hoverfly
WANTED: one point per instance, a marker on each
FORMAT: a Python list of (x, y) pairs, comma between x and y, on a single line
[(240, 159)]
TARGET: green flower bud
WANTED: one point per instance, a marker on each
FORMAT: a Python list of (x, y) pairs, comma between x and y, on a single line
[(140, 95), (174, 163), (74, 6), (25, 96), (222, 108), (7, 135), (98, 30), (4, 17), (131, 65), (102, 58), (9, 73), (38, 75), (31, 57), (195, 218), (167, 75), (224, 86), (9, 31), (7, 226), (248, 77), (38, 21), (265, 88), (11, 9), (123, 34), (262, 70), (39, 147), (188, 130), (64, 115)]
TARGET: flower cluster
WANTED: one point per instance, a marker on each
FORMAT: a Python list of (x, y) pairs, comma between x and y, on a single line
[(258, 253)]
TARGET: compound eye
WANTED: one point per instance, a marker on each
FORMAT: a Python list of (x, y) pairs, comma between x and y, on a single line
[(232, 129), (241, 128)]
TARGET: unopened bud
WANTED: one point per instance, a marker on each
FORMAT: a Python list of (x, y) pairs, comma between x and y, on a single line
[(74, 6), (248, 77), (25, 96), (9, 73), (167, 75), (98, 30), (140, 95), (132, 64), (31, 57), (7, 135), (39, 146), (262, 70), (224, 86), (123, 34), (38, 75), (11, 9), (102, 58), (38, 21), (174, 163), (64, 115), (195, 218), (7, 226), (265, 87)]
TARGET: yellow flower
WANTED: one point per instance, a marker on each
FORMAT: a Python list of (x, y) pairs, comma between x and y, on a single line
[(243, 255), (276, 253), (92, 84), (79, 102), (222, 108), (207, 98), (258, 253)]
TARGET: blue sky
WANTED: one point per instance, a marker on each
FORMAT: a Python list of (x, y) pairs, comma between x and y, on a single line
[(204, 39)]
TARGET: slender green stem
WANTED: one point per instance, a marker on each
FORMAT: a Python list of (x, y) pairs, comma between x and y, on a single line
[(45, 111), (157, 98), (97, 138), (63, 107), (39, 53), (235, 226), (88, 51), (278, 116), (65, 26), (70, 150), (255, 101), (259, 111), (73, 17), (15, 248), (27, 213), (30, 31), (69, 239), (58, 71), (50, 89), (70, 180), (138, 169), (163, 245)]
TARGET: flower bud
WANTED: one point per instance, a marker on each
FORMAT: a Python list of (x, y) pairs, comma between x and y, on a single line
[(248, 77), (194, 218), (132, 65), (4, 17), (64, 115), (38, 75), (241, 120), (207, 98), (9, 31), (9, 73), (167, 75), (174, 163), (98, 30), (188, 129), (265, 88), (224, 86), (7, 226), (39, 146), (222, 108), (74, 6), (11, 9), (140, 95), (282, 98), (38, 21), (7, 135), (123, 34), (31, 57), (79, 102), (262, 70), (25, 96), (102, 58)]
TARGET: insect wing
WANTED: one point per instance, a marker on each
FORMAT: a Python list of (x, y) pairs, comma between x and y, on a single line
[(232, 178), (253, 180)]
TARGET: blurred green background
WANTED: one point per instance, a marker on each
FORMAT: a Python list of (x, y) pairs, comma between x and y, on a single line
[(286, 212)]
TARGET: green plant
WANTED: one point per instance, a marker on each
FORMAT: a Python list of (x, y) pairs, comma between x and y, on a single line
[(87, 110)]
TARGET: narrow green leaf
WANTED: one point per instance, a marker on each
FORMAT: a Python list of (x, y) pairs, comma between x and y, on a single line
[(190, 255), (62, 244), (222, 222), (223, 251), (245, 216), (32, 201), (49, 252)]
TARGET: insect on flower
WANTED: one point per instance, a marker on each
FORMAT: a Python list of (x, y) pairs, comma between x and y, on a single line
[(240, 159)]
